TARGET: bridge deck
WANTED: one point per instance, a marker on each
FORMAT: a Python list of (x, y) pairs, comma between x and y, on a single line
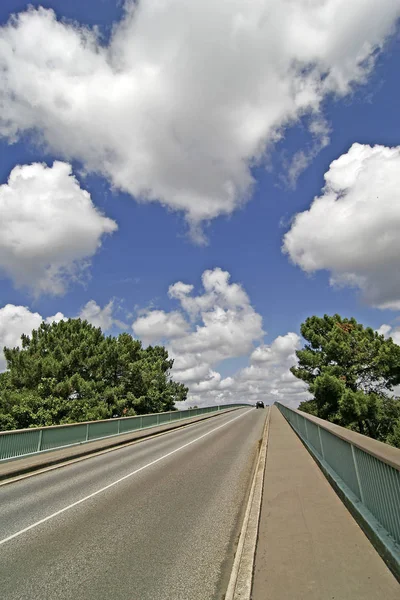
[(310, 547)]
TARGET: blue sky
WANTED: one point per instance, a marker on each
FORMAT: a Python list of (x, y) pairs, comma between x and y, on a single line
[(153, 247)]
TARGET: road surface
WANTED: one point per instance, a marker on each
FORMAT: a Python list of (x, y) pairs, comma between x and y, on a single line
[(156, 520)]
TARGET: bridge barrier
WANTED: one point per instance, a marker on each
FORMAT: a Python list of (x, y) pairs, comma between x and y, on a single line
[(20, 443), (364, 472)]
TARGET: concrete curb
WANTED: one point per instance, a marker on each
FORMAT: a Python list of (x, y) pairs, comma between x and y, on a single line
[(241, 579)]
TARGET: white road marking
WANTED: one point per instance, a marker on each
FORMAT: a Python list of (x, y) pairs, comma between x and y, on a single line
[(110, 485)]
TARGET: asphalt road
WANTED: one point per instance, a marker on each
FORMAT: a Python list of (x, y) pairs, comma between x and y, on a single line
[(157, 520)]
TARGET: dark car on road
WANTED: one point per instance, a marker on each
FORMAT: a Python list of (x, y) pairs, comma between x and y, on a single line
[(259, 404)]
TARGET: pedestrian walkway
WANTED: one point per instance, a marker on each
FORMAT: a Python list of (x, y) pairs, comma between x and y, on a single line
[(310, 547)]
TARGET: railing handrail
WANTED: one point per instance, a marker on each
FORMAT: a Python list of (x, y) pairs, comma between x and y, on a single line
[(383, 452), (167, 412)]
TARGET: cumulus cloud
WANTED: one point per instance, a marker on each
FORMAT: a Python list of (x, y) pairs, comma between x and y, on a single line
[(216, 325), (157, 325), (186, 96), (100, 317), (282, 348), (268, 379), (56, 318), (352, 229), (384, 330), (49, 227), (14, 321), (225, 325), (390, 331)]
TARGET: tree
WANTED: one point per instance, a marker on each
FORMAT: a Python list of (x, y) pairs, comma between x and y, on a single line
[(350, 370), (69, 372), (394, 436), (343, 348)]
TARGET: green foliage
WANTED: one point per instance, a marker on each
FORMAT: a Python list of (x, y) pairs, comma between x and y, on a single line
[(346, 350), (350, 370), (394, 436), (328, 391), (69, 371)]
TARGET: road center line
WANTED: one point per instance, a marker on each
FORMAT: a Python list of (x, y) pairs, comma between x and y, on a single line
[(110, 485)]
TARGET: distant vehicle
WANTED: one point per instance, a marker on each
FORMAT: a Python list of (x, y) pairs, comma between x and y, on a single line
[(259, 404)]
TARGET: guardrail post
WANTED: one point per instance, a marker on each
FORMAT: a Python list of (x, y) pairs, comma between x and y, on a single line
[(305, 424), (357, 473), (158, 419), (119, 425), (141, 422), (87, 432), (320, 441), (39, 446)]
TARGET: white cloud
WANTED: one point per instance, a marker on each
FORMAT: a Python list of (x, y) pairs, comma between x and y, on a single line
[(223, 325), (282, 348), (395, 335), (97, 316), (192, 375), (14, 321), (49, 227), (267, 378), (218, 292), (56, 318), (389, 331), (157, 325), (384, 330), (186, 96), (352, 229)]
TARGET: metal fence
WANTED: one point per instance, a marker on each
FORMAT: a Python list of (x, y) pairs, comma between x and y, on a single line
[(369, 470), (24, 442)]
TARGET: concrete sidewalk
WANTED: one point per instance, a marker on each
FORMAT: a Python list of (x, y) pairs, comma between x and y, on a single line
[(310, 547)]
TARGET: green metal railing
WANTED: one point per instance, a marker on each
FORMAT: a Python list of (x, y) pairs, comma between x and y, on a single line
[(24, 442), (365, 471)]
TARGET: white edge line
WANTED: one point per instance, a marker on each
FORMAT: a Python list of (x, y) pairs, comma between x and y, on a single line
[(110, 485)]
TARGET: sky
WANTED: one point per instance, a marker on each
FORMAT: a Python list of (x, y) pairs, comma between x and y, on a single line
[(204, 175)]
